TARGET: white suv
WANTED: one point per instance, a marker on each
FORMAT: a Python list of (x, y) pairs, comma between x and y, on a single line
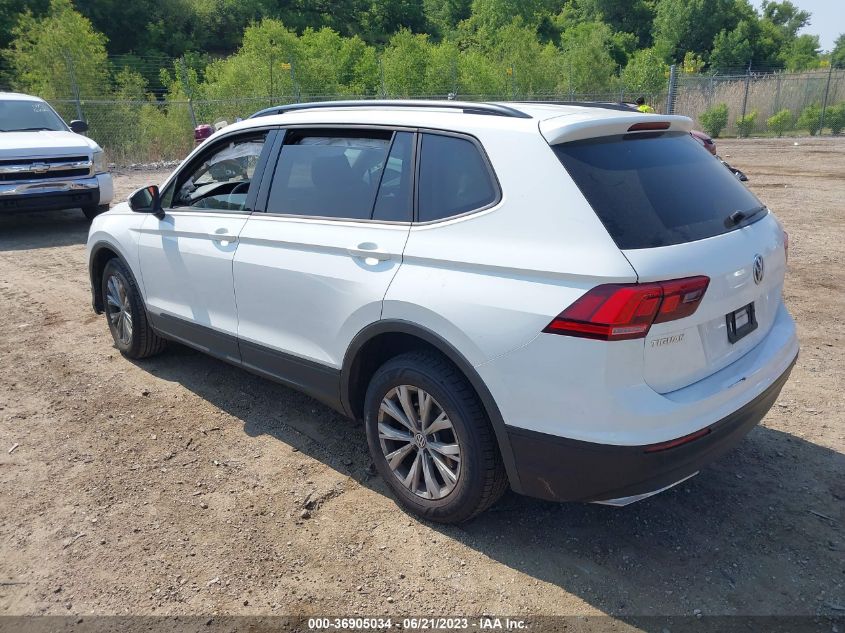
[(46, 164), (576, 301)]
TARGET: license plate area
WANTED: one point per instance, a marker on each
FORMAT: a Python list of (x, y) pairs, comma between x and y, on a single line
[(741, 322)]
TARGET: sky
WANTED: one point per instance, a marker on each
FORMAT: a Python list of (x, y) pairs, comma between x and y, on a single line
[(828, 20)]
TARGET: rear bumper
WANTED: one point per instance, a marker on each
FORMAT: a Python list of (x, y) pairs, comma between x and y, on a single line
[(56, 194), (561, 469)]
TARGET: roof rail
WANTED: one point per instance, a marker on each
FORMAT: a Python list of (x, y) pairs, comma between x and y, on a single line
[(467, 107), (607, 105)]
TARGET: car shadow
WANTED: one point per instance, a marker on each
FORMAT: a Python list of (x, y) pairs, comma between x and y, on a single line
[(757, 532), (42, 229)]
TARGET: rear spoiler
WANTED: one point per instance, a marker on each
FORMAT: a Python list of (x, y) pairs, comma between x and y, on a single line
[(577, 127)]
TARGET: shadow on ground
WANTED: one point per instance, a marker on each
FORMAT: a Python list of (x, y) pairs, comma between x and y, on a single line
[(42, 229), (733, 540)]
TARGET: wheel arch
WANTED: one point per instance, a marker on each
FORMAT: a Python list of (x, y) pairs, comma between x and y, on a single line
[(380, 341), (101, 253)]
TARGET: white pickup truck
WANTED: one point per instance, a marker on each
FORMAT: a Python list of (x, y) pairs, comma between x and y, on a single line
[(46, 164)]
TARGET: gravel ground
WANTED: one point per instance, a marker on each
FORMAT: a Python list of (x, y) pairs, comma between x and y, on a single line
[(177, 485)]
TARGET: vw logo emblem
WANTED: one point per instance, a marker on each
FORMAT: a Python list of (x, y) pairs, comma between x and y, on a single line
[(419, 440), (759, 269)]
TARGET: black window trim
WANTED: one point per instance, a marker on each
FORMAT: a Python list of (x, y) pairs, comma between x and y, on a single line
[(258, 174), (261, 204), (264, 195), (494, 179)]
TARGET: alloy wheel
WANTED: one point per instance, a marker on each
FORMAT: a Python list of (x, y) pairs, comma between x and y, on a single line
[(419, 442), (119, 310)]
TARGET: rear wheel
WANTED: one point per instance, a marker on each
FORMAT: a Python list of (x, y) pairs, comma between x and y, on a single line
[(125, 313), (430, 439)]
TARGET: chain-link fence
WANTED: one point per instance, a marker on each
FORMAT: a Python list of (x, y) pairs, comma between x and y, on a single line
[(765, 94), (160, 129)]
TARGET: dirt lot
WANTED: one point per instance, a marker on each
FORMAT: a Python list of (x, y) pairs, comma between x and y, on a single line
[(176, 485)]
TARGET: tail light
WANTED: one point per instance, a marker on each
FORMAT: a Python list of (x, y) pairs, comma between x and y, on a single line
[(616, 312), (650, 126), (786, 245)]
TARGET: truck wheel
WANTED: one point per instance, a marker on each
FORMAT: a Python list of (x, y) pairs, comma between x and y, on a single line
[(430, 439), (126, 315), (94, 211)]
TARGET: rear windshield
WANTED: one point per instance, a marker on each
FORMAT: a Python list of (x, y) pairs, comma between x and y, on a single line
[(657, 189)]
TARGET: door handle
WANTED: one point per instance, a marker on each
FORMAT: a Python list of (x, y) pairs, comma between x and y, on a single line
[(369, 250), (221, 235)]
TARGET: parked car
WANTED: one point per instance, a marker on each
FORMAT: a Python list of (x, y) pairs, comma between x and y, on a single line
[(710, 145), (46, 164), (572, 301)]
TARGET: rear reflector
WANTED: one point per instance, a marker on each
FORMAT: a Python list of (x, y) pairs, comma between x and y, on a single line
[(663, 446), (617, 312), (649, 126)]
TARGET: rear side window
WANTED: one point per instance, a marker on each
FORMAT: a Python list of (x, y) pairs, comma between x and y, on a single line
[(454, 178), (654, 190), (329, 173)]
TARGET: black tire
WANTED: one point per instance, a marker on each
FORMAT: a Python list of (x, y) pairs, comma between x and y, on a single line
[(142, 341), (481, 477), (93, 212)]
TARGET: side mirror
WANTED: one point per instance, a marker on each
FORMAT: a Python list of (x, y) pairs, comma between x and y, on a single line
[(147, 200), (79, 126)]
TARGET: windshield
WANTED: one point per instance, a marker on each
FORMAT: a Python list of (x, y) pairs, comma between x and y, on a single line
[(17, 115), (659, 189)]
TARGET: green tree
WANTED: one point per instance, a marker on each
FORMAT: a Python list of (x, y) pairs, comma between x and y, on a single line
[(491, 15), (588, 63), (635, 17), (45, 51), (12, 10), (837, 55), (692, 25), (404, 64), (646, 72), (535, 68), (384, 17), (786, 15), (803, 53), (443, 16), (733, 49)]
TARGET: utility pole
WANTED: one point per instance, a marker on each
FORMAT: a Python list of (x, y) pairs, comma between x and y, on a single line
[(826, 95), (747, 86), (73, 85), (673, 82), (271, 73), (293, 79), (187, 86)]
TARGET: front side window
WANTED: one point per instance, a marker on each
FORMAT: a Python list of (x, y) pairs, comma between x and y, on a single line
[(454, 178), (337, 174), (221, 179)]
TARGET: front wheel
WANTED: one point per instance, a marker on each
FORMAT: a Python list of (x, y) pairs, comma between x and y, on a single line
[(430, 439), (126, 315)]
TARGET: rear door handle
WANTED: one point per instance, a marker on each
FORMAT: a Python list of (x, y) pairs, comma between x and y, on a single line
[(368, 250)]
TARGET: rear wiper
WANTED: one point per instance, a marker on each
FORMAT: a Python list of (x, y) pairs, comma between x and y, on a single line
[(738, 216)]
